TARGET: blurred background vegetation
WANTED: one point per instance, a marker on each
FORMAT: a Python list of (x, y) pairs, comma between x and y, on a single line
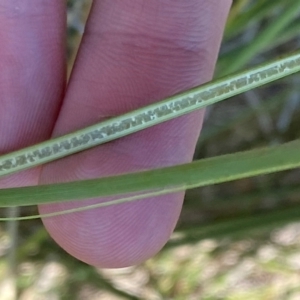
[(239, 240)]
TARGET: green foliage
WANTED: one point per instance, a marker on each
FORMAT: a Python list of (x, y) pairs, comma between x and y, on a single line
[(167, 180), (226, 229)]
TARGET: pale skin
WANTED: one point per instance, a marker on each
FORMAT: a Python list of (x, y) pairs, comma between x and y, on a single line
[(134, 52)]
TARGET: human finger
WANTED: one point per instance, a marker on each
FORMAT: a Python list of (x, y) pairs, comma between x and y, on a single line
[(133, 53), (32, 76)]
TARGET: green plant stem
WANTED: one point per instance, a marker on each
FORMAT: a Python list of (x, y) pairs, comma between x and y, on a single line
[(151, 115), (167, 180), (238, 227)]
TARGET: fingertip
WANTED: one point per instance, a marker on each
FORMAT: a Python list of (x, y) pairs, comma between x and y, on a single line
[(117, 236)]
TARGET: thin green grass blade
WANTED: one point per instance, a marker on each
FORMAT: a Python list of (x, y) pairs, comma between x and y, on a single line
[(238, 227), (239, 59), (151, 115), (93, 206), (237, 20), (292, 31), (199, 173)]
